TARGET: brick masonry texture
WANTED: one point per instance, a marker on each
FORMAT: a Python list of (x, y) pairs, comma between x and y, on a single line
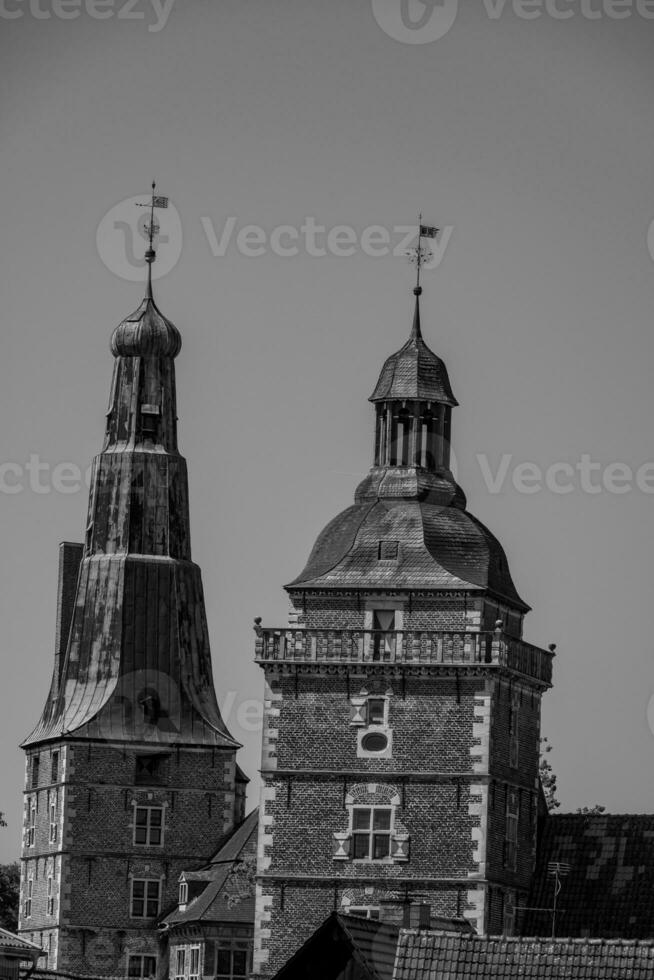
[(94, 859), (453, 744)]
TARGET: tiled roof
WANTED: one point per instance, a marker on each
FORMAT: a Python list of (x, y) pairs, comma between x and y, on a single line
[(229, 892), (414, 372), (437, 956), (343, 939), (10, 941), (609, 891), (440, 547)]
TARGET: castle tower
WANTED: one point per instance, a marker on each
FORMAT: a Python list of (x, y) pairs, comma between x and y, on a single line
[(131, 773), (402, 707)]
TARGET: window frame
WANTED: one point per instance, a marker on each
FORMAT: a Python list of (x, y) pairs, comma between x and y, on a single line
[(141, 975), (145, 899), (31, 824), (365, 911), (50, 896), (53, 822), (372, 833), (27, 904), (54, 767), (231, 949), (148, 826)]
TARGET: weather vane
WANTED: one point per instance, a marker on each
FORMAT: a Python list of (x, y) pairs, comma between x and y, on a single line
[(418, 255), (152, 229)]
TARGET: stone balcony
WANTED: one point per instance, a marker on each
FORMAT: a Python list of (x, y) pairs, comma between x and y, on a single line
[(404, 647)]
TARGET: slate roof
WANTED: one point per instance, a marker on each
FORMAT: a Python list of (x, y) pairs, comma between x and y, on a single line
[(341, 939), (414, 372), (610, 889), (229, 892), (440, 548), (438, 956), (15, 944)]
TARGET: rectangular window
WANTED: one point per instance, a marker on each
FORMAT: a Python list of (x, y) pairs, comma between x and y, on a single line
[(31, 826), (509, 914), (183, 893), (27, 907), (50, 905), (231, 963), (371, 832), (365, 911), (145, 898), (376, 711), (180, 963), (514, 743), (388, 550), (54, 767), (149, 770), (53, 823), (512, 821), (140, 967), (193, 963), (35, 771), (148, 826), (383, 624)]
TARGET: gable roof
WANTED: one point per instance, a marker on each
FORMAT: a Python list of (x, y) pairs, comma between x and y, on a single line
[(342, 939), (229, 892), (423, 955), (11, 943), (609, 891)]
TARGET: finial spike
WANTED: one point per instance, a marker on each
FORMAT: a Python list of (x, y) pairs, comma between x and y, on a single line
[(150, 255)]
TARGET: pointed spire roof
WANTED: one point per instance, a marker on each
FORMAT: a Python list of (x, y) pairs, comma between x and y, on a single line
[(414, 372)]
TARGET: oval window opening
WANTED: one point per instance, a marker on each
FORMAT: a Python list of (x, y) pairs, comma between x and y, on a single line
[(374, 742)]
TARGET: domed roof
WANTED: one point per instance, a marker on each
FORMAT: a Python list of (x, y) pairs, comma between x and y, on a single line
[(146, 333), (414, 372), (439, 547)]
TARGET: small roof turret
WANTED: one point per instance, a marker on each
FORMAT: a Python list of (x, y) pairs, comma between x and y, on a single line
[(414, 372)]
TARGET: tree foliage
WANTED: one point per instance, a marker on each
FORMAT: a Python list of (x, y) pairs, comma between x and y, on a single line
[(547, 776), (9, 890)]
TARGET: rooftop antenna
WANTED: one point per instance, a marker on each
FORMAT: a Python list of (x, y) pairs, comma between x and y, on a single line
[(152, 229), (556, 870)]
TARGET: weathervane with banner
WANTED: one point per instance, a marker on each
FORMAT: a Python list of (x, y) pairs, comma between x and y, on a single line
[(152, 229), (418, 255)]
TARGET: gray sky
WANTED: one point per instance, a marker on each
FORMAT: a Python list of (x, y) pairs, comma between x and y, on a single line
[(533, 140)]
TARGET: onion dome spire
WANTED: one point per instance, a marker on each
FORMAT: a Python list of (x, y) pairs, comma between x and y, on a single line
[(147, 332)]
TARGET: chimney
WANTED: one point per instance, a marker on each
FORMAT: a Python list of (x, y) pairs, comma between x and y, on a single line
[(417, 915)]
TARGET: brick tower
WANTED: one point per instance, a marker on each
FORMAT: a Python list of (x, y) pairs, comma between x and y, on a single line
[(402, 707), (131, 773)]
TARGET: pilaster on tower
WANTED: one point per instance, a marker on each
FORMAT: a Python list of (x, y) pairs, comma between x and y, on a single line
[(402, 706)]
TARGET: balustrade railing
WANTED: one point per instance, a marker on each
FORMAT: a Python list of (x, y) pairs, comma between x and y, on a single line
[(304, 645)]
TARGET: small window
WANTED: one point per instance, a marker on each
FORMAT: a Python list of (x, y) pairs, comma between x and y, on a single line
[(194, 963), (35, 771), (376, 711), (388, 550), (512, 821), (145, 898), (148, 826), (365, 911), (371, 831), (183, 893), (149, 770), (50, 903), (54, 767), (53, 823), (180, 963), (31, 826), (141, 967), (231, 963), (27, 906)]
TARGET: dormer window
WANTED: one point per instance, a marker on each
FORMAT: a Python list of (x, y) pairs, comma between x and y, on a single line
[(388, 550), (150, 420), (183, 895)]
